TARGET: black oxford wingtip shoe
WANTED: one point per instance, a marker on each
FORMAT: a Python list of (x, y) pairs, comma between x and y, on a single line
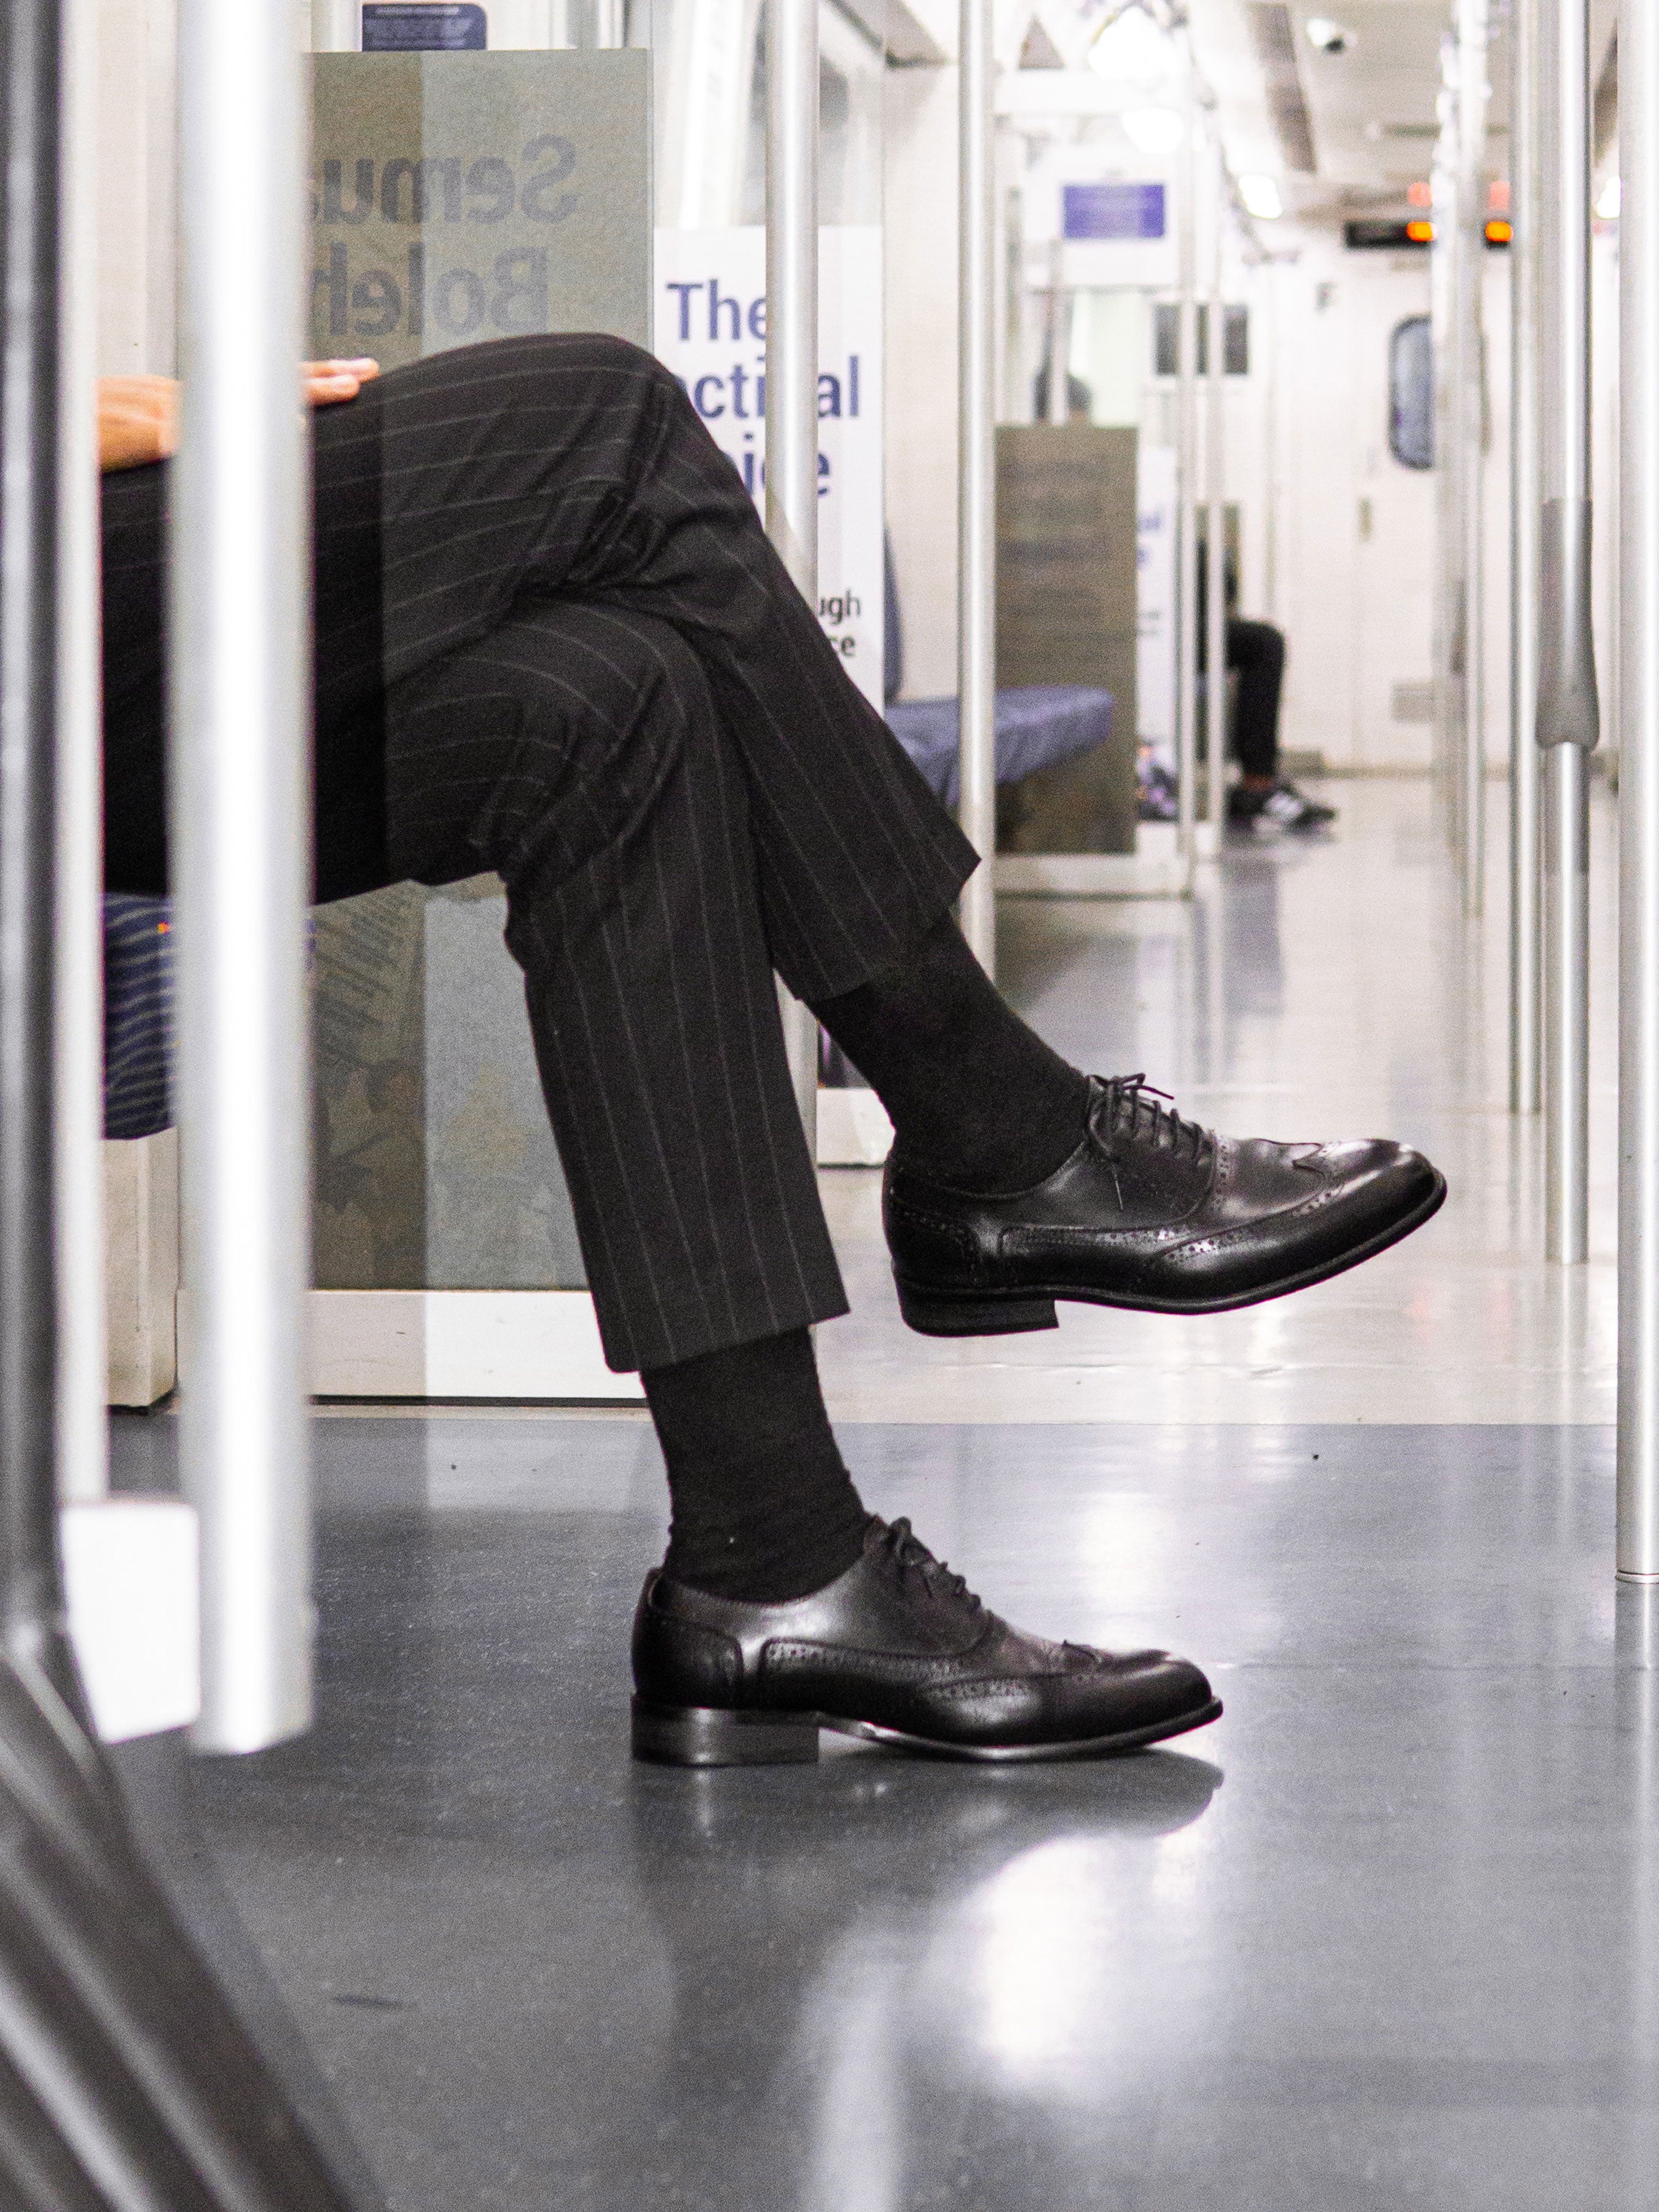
[(1153, 1212), (898, 1649)]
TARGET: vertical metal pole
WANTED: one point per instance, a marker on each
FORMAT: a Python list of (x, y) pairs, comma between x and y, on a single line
[(1473, 99), (1568, 715), (1186, 480), (241, 855), (1525, 193), (1057, 385), (976, 492), (1215, 469), (31, 58), (791, 369), (83, 1429), (610, 24), (1448, 545), (1638, 801), (1273, 337)]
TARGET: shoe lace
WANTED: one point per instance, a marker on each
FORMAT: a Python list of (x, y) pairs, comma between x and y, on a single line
[(1140, 1114), (912, 1557)]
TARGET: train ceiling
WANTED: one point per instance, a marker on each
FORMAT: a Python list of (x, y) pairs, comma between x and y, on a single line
[(1334, 97)]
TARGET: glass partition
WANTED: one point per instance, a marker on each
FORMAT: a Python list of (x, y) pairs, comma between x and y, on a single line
[(476, 170)]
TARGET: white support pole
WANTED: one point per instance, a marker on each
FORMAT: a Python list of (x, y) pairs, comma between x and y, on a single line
[(791, 371), (1448, 599), (241, 853), (976, 492), (1473, 98), (1568, 712), (610, 24), (82, 1429), (1638, 1555), (1215, 472), (1187, 478), (1525, 192)]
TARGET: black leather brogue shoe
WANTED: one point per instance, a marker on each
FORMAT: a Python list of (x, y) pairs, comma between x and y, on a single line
[(1150, 1211), (898, 1649)]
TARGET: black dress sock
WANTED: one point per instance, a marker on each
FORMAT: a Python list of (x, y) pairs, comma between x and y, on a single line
[(764, 1508), (976, 1098)]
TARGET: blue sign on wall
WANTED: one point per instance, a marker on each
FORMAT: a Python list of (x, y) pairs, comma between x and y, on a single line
[(1111, 210), (408, 26)]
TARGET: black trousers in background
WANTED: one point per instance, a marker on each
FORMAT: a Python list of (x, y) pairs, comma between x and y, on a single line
[(552, 641), (1256, 650)]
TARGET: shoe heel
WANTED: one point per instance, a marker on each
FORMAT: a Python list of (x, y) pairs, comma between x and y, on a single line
[(1003, 1313), (703, 1736)]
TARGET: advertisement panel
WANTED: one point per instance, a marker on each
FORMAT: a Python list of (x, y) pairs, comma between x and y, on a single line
[(710, 330)]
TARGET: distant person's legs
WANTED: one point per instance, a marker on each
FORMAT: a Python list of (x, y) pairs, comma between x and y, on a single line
[(1255, 650)]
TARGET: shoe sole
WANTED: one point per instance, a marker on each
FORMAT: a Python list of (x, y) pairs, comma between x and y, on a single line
[(704, 1736), (1031, 1305)]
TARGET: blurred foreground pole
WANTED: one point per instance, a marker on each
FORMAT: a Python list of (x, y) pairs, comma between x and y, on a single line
[(129, 2082), (1468, 456), (82, 1361), (1525, 195), (976, 492), (1567, 709), (1445, 257), (1185, 597), (1215, 474), (1638, 801), (792, 373), (241, 847)]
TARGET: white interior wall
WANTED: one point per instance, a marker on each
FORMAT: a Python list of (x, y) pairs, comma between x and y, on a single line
[(920, 426), (135, 188)]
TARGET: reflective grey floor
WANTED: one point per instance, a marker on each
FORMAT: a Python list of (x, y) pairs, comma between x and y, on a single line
[(1386, 1936)]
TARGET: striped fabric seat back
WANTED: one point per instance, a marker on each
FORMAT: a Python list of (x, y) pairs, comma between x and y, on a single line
[(137, 1015)]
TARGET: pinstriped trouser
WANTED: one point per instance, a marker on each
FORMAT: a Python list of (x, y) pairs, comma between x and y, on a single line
[(552, 640)]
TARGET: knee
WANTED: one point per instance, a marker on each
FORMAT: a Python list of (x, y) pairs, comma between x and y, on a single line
[(616, 363)]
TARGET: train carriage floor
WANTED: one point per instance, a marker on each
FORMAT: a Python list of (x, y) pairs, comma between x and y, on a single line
[(1386, 1936)]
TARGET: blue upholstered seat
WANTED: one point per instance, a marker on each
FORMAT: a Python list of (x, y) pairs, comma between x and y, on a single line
[(1036, 726)]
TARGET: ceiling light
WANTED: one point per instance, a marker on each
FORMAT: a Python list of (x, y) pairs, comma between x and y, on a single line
[(1261, 198), (1327, 36), (1611, 200), (1132, 48), (1152, 129)]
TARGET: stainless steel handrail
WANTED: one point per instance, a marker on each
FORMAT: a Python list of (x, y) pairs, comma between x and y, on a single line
[(976, 473), (82, 1363), (241, 863), (1525, 195), (1567, 709), (1215, 474), (1638, 1551), (1469, 457), (791, 369), (1186, 595)]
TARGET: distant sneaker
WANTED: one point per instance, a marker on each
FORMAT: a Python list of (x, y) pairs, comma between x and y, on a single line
[(1284, 805), (1160, 801)]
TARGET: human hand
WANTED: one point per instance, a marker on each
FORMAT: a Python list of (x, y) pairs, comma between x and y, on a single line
[(137, 420), (138, 415), (328, 382)]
